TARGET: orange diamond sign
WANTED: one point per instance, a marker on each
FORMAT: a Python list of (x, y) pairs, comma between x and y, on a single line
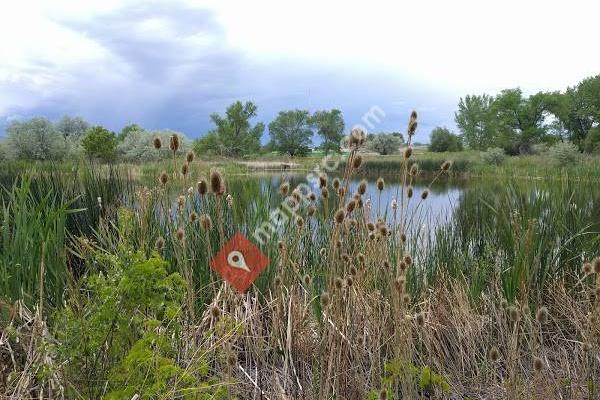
[(239, 262)]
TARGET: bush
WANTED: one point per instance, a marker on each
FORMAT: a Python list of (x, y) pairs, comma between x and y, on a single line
[(444, 140), (564, 153), (493, 156), (137, 146), (100, 143), (384, 143), (592, 141)]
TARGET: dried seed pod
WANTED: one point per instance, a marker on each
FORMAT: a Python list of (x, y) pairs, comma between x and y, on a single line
[(408, 152), (206, 222), (361, 258), (380, 184), (312, 196), (587, 268), (339, 283), (339, 216), (336, 183), (284, 188), (325, 299), (408, 260), (202, 187), (350, 206), (216, 183), (513, 312), (306, 279), (160, 244), (446, 165), (193, 217), (174, 143), (349, 281), (370, 227), (157, 143), (357, 161), (181, 234), (362, 187), (299, 222), (322, 181), (189, 157), (542, 315), (494, 354), (420, 319), (414, 170), (311, 211), (185, 168), (215, 311), (538, 364), (324, 192), (342, 191), (353, 270), (163, 178), (409, 192), (424, 194)]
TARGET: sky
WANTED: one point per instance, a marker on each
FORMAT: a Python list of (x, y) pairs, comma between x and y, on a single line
[(171, 64)]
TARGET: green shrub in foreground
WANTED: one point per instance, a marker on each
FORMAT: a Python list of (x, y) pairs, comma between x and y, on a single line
[(493, 156), (564, 153)]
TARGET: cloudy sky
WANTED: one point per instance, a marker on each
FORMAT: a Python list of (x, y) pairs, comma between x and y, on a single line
[(170, 64)]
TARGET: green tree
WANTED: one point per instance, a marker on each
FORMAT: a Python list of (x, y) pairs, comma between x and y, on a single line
[(384, 143), (291, 132), (233, 135), (521, 119), (592, 141), (442, 139), (476, 122), (330, 126), (128, 130), (35, 139), (100, 143), (72, 127)]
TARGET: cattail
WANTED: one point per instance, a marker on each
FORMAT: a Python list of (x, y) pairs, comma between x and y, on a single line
[(306, 279), (538, 364), (408, 152), (339, 283), (494, 354), (163, 178), (299, 222), (414, 170), (160, 244), (216, 183), (596, 265), (339, 216), (336, 183), (408, 260), (325, 299), (322, 181), (181, 234), (409, 192), (424, 194), (420, 319), (380, 184), (446, 165), (185, 168), (206, 222), (311, 211), (349, 281), (324, 192), (202, 187), (357, 161), (193, 217), (157, 143), (189, 157), (174, 143), (513, 312), (587, 268), (542, 315), (215, 311), (362, 187)]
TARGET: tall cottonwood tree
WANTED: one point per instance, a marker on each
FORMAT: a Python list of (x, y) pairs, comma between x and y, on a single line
[(291, 132), (330, 127)]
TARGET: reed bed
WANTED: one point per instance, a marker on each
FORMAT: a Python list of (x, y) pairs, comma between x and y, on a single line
[(503, 301)]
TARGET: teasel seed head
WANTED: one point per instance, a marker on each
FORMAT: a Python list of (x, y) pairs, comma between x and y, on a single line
[(280, 245), (446, 165), (353, 223), (160, 244), (324, 192), (362, 187), (180, 201), (193, 217), (370, 227), (494, 354), (216, 183), (338, 244), (185, 168), (408, 260), (424, 194), (383, 230), (357, 161), (402, 266), (306, 279), (299, 222), (359, 203), (339, 216), (408, 152), (157, 143), (322, 181), (538, 364), (325, 299), (596, 265), (350, 206), (406, 298), (513, 313), (387, 265), (403, 237), (284, 188), (174, 143), (181, 234), (414, 170), (336, 183), (421, 319), (312, 196), (163, 178), (409, 192), (339, 283), (311, 211), (587, 268), (361, 258), (383, 394), (372, 236), (353, 270), (215, 311), (349, 281), (189, 157), (380, 184), (400, 284), (206, 222), (542, 315), (345, 258), (297, 195), (202, 187)]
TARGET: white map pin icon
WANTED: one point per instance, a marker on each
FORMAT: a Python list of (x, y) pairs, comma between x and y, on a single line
[(235, 259)]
